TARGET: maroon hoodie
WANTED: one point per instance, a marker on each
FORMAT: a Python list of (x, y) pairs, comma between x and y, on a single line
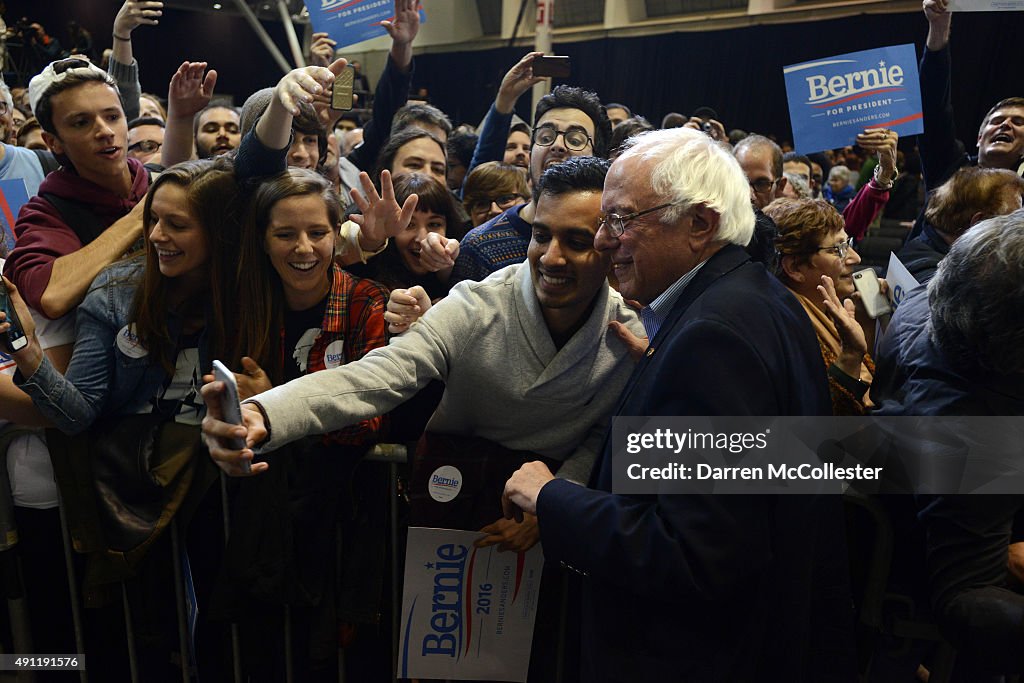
[(42, 236)]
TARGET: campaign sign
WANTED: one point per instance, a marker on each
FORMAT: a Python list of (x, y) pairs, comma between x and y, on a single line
[(900, 281), (832, 100), (467, 613), (13, 196), (352, 21)]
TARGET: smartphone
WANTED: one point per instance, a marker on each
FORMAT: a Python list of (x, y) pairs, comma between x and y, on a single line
[(875, 303), (554, 66), (341, 93), (229, 404), (14, 339)]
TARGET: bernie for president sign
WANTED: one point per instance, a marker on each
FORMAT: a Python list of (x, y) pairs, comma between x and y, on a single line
[(352, 21), (832, 100)]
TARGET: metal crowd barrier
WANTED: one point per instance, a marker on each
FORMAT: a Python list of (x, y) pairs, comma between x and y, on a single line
[(393, 455)]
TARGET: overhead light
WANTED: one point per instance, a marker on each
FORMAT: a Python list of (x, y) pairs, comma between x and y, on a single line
[(216, 5)]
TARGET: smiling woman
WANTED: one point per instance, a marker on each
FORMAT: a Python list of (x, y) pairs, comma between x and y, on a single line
[(146, 320), (402, 263), (300, 314), (326, 316)]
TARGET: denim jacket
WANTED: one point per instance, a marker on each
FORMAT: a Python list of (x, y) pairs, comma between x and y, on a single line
[(110, 373)]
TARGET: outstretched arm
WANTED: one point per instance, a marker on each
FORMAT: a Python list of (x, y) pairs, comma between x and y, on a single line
[(392, 89), (940, 154), (490, 146), (122, 62)]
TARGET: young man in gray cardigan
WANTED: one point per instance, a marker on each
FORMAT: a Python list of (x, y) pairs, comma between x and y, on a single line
[(531, 357)]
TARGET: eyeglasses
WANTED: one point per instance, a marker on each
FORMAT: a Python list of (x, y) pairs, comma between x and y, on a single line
[(145, 146), (841, 249), (505, 201), (763, 185), (616, 224), (576, 139)]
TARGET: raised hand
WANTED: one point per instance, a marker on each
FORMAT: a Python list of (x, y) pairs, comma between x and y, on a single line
[(321, 50), (517, 81), (135, 14), (305, 84), (381, 216), (882, 142), (939, 18), (852, 340), (190, 91), (406, 23)]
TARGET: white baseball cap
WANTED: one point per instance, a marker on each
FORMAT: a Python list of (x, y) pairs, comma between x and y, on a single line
[(55, 73)]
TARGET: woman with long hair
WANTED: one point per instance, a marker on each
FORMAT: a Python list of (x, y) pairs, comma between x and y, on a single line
[(146, 331), (299, 313), (150, 322)]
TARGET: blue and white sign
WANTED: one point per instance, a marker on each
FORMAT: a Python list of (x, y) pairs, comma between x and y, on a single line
[(467, 612), (352, 21), (832, 100), (900, 281)]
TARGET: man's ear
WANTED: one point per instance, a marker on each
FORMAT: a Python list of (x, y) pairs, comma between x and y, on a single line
[(789, 267), (705, 221), (54, 143)]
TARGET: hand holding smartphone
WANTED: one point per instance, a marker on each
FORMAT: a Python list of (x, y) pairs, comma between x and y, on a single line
[(875, 303), (14, 339), (230, 407)]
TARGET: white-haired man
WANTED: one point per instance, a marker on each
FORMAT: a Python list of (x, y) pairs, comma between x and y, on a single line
[(699, 587)]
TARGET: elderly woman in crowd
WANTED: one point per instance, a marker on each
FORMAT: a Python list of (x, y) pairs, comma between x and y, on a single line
[(816, 262)]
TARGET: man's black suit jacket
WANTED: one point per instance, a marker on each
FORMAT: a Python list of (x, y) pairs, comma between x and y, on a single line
[(712, 587)]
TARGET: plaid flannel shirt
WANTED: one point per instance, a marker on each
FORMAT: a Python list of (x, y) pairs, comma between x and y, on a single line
[(354, 315)]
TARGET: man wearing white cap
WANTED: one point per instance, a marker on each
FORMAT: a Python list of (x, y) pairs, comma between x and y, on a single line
[(83, 218)]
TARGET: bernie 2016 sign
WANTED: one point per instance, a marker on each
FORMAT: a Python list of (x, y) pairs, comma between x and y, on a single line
[(467, 612), (832, 100)]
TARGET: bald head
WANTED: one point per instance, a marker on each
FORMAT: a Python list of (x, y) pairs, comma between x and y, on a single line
[(761, 161)]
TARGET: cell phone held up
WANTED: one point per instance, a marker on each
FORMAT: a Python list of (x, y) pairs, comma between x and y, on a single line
[(875, 303), (342, 91), (230, 408), (13, 339), (555, 66)]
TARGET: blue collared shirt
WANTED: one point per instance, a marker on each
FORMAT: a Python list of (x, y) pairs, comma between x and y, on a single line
[(654, 314)]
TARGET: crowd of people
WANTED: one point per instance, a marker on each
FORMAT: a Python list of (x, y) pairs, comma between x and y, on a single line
[(495, 296)]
